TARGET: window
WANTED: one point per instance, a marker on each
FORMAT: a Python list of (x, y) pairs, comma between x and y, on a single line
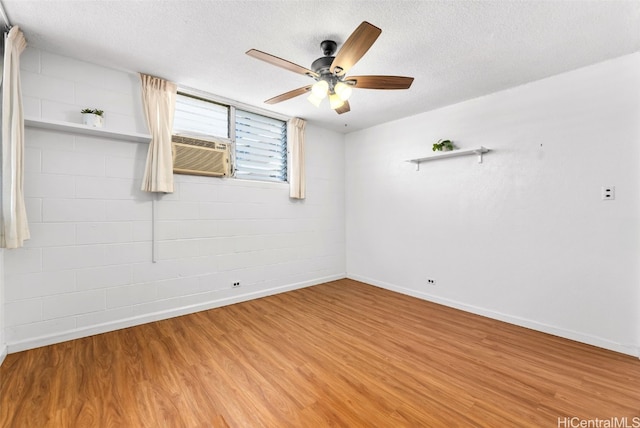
[(261, 147), (198, 117), (259, 143)]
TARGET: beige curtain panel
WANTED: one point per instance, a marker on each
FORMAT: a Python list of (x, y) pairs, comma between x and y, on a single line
[(159, 98), (15, 229), (295, 143)]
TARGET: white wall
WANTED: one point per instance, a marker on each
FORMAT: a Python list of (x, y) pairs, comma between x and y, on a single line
[(523, 237), (87, 267)]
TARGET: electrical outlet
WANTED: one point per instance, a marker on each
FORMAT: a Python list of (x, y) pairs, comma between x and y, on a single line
[(608, 193), (431, 281), (236, 284)]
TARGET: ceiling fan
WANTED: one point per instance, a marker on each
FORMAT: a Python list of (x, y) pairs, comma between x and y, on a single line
[(330, 71)]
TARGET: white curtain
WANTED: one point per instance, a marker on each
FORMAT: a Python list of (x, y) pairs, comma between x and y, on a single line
[(295, 143), (159, 98), (14, 227)]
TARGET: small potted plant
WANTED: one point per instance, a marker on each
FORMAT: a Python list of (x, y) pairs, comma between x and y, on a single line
[(443, 146), (92, 117)]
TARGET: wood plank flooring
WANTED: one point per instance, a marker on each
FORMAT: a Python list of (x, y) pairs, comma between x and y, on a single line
[(341, 354)]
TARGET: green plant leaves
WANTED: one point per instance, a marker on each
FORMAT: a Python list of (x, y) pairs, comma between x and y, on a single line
[(443, 144), (92, 111)]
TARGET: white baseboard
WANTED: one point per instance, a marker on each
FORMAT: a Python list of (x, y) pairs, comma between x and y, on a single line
[(522, 322), (3, 353), (157, 316)]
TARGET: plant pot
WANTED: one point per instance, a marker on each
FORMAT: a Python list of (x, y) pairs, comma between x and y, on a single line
[(93, 120)]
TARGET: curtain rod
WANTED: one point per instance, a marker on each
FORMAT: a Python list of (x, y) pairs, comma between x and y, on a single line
[(3, 15)]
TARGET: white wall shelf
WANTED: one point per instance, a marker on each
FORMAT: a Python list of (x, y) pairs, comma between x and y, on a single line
[(451, 154), (57, 125)]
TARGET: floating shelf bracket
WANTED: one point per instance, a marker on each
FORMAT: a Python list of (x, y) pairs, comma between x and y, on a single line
[(479, 151)]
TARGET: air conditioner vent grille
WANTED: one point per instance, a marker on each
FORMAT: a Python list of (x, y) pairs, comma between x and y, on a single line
[(198, 142), (201, 159)]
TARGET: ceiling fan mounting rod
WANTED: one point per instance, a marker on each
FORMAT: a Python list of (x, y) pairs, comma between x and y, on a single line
[(328, 47)]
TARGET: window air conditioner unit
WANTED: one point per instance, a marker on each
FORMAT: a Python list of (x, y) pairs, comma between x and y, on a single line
[(193, 156)]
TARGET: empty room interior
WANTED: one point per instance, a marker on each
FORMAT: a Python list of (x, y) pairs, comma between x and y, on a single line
[(313, 213)]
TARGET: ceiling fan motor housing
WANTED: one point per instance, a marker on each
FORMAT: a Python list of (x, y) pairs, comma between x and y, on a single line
[(322, 65)]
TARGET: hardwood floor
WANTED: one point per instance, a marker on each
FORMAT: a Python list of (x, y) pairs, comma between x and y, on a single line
[(340, 354)]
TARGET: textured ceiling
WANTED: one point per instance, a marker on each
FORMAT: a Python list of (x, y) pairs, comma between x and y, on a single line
[(456, 50)]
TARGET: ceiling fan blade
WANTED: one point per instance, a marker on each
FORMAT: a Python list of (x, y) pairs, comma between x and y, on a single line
[(279, 62), (380, 82), (355, 47), (289, 95), (343, 108)]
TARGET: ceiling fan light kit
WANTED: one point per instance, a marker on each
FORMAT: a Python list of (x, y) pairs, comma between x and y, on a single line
[(316, 100), (343, 90), (335, 102), (320, 89), (330, 71)]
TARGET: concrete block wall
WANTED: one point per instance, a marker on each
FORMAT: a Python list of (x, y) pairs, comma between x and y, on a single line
[(88, 267)]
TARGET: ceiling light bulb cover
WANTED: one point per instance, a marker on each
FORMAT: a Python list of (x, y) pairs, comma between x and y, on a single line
[(343, 91), (313, 99), (320, 89), (335, 101)]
